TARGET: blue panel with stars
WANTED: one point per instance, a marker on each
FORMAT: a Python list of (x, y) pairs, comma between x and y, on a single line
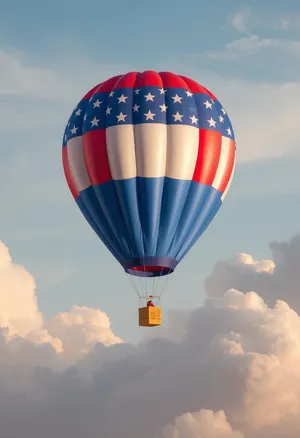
[(128, 106)]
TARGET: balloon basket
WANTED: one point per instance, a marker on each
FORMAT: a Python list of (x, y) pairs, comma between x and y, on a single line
[(149, 316)]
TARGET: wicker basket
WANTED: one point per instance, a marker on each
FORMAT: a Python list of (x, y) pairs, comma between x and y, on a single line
[(149, 316)]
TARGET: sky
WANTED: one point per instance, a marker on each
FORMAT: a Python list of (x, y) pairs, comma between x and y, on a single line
[(67, 311)]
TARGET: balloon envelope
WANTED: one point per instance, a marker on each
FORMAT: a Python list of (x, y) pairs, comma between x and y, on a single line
[(149, 158)]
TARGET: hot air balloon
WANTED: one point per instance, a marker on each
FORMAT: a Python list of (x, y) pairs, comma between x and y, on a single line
[(149, 158)]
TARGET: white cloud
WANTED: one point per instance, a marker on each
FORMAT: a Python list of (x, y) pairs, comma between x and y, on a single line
[(18, 303), (18, 79), (203, 424), (232, 373), (269, 278), (254, 44), (71, 334), (240, 19), (81, 329), (247, 19)]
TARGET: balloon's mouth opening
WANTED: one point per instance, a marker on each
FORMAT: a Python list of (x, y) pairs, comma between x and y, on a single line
[(152, 271), (149, 266), (149, 271)]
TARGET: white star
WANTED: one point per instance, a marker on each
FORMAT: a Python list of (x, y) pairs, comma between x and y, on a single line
[(212, 101), (149, 96), (84, 118), (177, 117), (121, 117), (223, 111), (212, 122), (74, 129), (176, 98), (188, 93), (68, 124), (97, 103), (221, 119), (111, 94), (108, 110), (229, 131), (149, 115), (136, 107), (137, 90), (78, 112), (162, 91), (122, 99), (163, 108), (91, 98), (66, 137), (95, 121), (194, 119), (208, 104)]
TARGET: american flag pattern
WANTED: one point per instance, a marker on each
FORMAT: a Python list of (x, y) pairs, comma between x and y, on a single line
[(149, 158)]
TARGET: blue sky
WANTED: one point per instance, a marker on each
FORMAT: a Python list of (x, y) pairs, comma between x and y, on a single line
[(52, 53)]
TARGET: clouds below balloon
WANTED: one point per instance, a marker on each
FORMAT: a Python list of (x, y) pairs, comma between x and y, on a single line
[(202, 424), (271, 279), (230, 371), (71, 334)]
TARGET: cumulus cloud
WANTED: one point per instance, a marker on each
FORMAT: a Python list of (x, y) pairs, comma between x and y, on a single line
[(71, 334), (203, 424), (81, 329), (18, 303), (230, 371), (271, 279)]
